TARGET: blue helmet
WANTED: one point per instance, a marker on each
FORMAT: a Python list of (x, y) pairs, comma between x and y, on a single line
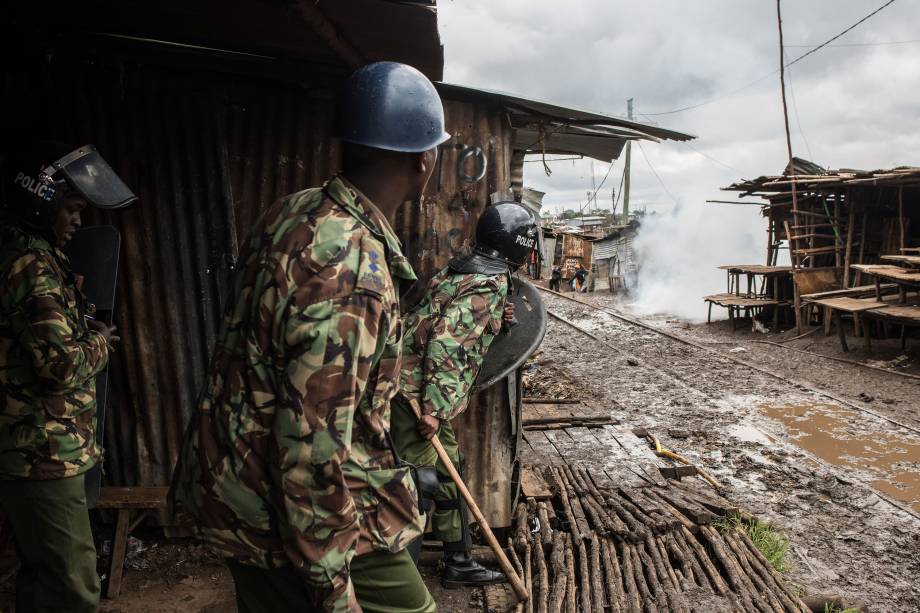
[(392, 106)]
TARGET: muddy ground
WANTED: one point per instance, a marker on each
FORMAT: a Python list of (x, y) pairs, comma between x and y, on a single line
[(842, 483)]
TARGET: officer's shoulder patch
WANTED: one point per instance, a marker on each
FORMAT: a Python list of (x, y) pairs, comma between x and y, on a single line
[(373, 271)]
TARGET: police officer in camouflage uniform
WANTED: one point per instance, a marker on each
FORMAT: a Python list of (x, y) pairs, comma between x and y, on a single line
[(287, 466), (50, 354), (446, 338)]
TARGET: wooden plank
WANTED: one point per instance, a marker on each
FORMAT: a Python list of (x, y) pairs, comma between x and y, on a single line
[(618, 466), (533, 485), (132, 497), (850, 305), (860, 291), (543, 446), (119, 547)]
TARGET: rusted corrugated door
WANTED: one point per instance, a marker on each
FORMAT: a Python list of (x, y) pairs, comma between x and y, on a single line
[(433, 232), (206, 154), (162, 132)]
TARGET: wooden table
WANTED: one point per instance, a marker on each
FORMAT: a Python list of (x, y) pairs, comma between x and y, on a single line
[(126, 500), (904, 277), (910, 260), (734, 300), (852, 306)]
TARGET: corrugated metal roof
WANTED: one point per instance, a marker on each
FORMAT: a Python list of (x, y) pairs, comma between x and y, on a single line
[(398, 31), (552, 128)]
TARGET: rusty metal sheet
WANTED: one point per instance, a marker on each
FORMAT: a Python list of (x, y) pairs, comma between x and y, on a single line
[(207, 153)]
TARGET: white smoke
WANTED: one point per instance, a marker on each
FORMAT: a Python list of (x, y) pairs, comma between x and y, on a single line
[(679, 250)]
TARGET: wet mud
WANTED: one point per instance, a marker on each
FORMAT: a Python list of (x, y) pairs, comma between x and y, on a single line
[(841, 483)]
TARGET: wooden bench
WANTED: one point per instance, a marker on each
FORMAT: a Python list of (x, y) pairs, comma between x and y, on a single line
[(735, 304), (125, 501)]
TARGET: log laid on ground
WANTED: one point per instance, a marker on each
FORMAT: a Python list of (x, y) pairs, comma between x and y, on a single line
[(546, 530), (543, 576), (636, 529), (797, 604), (598, 595), (613, 581), (755, 580), (584, 575), (560, 574), (680, 517), (566, 505), (521, 526), (571, 596), (735, 575), (718, 584), (634, 597), (528, 577), (639, 574)]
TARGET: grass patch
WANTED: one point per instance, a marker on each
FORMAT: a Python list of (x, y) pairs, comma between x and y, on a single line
[(768, 540), (829, 608)]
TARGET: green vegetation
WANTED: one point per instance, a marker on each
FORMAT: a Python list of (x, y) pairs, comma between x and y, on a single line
[(768, 540), (829, 608)]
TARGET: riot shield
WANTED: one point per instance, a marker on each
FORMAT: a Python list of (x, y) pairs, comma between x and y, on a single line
[(510, 349), (93, 254)]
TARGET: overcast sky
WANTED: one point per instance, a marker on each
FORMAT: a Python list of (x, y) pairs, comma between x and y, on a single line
[(857, 106)]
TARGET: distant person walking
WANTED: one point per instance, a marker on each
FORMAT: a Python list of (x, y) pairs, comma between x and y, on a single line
[(578, 281), (555, 278)]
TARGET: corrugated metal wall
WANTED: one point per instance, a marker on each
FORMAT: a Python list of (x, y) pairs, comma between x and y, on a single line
[(206, 153)]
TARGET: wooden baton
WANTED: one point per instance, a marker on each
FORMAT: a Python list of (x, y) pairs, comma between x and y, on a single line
[(503, 560)]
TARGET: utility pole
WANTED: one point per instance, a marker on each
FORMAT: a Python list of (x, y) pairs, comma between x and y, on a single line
[(593, 185), (629, 115)]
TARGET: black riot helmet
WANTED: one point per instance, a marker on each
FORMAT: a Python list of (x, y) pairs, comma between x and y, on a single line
[(392, 106), (38, 174), (506, 235)]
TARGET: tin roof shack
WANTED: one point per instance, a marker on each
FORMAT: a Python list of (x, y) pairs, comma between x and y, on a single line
[(844, 228), (209, 120), (616, 268), (566, 250)]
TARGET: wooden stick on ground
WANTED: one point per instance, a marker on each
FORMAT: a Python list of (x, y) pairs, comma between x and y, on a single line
[(560, 575), (543, 573), (520, 569), (571, 596), (597, 584), (616, 599), (584, 575), (634, 598)]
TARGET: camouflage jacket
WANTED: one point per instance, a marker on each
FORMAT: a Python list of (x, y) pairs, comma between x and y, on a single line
[(446, 338), (286, 459), (48, 361)]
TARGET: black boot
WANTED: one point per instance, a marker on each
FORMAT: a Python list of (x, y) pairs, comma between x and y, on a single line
[(461, 570)]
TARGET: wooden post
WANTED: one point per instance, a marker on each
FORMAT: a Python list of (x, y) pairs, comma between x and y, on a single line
[(838, 247), (770, 236), (796, 297), (901, 214), (862, 244), (119, 545), (851, 221)]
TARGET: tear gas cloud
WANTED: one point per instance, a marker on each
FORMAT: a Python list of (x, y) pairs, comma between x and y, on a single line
[(679, 252)]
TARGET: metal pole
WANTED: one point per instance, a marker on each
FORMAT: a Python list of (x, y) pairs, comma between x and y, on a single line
[(629, 114)]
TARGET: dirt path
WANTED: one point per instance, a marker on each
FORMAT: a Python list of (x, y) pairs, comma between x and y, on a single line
[(821, 470)]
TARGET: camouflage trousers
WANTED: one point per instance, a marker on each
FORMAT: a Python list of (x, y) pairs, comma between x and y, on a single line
[(447, 519), (54, 544), (384, 583)]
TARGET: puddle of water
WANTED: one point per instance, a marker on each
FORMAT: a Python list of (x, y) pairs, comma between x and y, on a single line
[(750, 434), (822, 429)]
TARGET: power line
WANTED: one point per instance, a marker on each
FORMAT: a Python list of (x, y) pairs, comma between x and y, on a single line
[(766, 76), (652, 168), (604, 180), (877, 44), (833, 38)]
